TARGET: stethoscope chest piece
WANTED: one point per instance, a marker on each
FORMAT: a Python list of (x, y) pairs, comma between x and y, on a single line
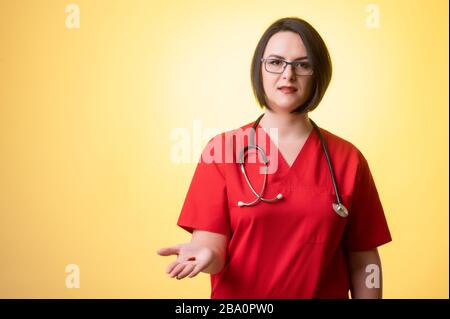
[(340, 210)]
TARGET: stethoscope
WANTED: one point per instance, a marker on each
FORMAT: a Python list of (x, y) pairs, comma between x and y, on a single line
[(338, 207)]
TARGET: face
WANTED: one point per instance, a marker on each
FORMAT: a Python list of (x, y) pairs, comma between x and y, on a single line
[(289, 46)]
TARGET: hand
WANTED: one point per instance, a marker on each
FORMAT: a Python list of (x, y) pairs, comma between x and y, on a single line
[(191, 260)]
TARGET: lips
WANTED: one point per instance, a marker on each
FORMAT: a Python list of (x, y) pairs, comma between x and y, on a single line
[(287, 89)]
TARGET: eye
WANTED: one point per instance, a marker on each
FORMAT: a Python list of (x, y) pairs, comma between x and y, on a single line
[(275, 62), (303, 65)]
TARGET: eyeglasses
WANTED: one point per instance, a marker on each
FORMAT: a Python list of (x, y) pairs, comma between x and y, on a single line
[(277, 66)]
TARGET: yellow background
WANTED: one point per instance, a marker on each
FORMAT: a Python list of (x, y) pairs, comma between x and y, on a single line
[(86, 117)]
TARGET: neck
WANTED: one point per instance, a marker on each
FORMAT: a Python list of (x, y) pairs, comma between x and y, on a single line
[(291, 126)]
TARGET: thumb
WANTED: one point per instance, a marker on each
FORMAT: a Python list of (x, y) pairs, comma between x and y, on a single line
[(167, 251)]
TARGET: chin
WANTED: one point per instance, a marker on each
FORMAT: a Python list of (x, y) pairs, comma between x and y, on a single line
[(285, 107)]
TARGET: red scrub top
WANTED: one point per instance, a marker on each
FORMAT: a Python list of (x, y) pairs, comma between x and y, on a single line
[(296, 247)]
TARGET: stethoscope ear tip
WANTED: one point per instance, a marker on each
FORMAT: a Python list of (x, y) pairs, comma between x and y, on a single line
[(240, 204), (280, 196)]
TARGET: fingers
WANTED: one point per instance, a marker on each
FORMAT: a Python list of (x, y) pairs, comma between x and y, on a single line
[(177, 269), (183, 266), (167, 251), (181, 270), (172, 266), (187, 269), (195, 271)]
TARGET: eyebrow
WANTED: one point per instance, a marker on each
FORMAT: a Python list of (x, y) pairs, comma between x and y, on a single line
[(280, 57)]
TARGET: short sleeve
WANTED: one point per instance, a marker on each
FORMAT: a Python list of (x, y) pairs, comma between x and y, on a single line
[(206, 206), (367, 227)]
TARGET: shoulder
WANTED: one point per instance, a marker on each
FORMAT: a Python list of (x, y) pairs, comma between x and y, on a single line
[(338, 143), (342, 151), (349, 163), (222, 147), (229, 136)]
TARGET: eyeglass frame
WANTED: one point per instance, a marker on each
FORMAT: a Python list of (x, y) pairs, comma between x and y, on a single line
[(286, 63)]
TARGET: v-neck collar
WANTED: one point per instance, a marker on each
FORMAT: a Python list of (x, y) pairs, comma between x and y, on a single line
[(300, 155)]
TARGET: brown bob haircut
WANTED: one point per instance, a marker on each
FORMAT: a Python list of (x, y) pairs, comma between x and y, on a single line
[(318, 56)]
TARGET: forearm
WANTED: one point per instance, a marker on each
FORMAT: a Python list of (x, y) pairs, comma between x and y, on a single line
[(365, 275)]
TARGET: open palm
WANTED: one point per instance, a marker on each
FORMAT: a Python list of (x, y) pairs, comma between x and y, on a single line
[(191, 259)]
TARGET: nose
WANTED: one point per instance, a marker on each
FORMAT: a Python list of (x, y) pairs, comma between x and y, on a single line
[(289, 72)]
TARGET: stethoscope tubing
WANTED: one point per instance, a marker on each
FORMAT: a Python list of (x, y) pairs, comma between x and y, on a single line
[(338, 207)]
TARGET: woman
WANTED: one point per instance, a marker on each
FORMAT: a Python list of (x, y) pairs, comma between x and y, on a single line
[(303, 240)]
